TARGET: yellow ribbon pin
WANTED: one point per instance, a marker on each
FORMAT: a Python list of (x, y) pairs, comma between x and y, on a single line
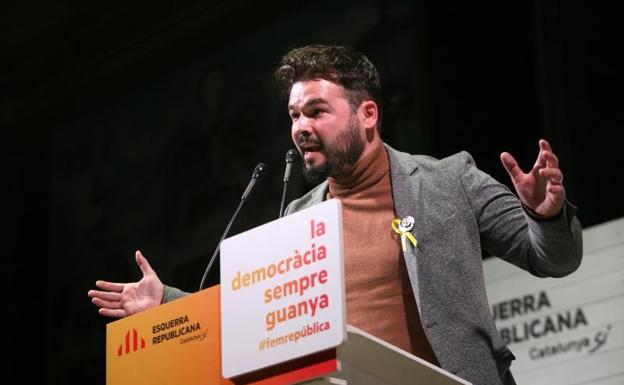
[(403, 227)]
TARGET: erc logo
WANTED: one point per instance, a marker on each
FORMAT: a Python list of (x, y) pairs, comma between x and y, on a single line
[(131, 344)]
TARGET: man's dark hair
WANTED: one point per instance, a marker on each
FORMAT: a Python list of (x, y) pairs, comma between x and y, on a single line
[(339, 64)]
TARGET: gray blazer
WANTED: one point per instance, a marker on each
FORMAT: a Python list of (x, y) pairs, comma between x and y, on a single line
[(460, 211)]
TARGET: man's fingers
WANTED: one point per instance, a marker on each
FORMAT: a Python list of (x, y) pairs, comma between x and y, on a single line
[(110, 286), (143, 264), (548, 157), (540, 162), (554, 175), (557, 191), (511, 166), (544, 145), (551, 159), (115, 313), (99, 302), (106, 295)]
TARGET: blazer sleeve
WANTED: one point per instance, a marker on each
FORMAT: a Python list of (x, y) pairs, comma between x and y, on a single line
[(545, 248), (172, 293)]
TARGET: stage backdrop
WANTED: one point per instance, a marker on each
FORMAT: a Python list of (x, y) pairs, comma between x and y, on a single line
[(567, 330)]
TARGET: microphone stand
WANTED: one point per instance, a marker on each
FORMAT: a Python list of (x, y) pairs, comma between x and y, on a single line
[(281, 212), (258, 172)]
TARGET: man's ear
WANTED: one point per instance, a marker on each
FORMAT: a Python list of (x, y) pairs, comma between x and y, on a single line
[(370, 113)]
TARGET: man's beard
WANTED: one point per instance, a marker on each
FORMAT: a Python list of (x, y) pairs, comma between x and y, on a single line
[(339, 158)]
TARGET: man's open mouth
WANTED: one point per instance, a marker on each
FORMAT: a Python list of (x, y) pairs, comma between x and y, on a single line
[(310, 149)]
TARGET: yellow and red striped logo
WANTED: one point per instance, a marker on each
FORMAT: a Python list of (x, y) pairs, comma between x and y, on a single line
[(132, 343)]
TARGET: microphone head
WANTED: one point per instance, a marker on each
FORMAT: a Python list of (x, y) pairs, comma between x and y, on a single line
[(292, 156), (259, 171)]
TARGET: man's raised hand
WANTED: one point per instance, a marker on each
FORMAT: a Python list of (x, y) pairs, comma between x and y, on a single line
[(124, 299), (541, 189)]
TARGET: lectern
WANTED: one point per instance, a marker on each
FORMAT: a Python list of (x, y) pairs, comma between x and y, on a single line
[(277, 318), (165, 346)]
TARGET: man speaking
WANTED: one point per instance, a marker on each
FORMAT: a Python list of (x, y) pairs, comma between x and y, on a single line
[(414, 227)]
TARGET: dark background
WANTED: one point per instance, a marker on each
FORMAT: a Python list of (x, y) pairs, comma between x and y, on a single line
[(136, 125)]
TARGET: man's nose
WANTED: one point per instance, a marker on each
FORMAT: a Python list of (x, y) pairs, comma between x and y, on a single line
[(303, 126)]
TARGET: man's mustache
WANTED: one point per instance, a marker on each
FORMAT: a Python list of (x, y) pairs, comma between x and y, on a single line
[(307, 140)]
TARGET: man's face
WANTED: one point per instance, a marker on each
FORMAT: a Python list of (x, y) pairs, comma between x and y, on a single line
[(325, 130)]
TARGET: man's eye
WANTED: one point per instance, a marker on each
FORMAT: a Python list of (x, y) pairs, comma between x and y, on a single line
[(294, 117), (317, 112)]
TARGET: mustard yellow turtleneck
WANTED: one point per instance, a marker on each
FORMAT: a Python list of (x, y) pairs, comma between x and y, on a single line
[(380, 300)]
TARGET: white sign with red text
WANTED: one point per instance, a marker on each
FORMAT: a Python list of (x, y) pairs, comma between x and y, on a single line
[(282, 290)]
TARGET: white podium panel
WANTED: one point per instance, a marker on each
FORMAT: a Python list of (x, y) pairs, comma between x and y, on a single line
[(282, 290)]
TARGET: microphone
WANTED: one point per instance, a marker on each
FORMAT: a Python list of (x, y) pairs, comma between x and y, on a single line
[(259, 171), (291, 157)]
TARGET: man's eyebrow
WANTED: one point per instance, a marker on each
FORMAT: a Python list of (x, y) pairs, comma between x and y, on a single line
[(309, 103)]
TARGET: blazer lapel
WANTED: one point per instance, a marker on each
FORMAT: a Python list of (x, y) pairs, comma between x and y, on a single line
[(405, 188)]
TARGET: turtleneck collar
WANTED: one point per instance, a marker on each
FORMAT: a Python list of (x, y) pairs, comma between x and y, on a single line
[(366, 173)]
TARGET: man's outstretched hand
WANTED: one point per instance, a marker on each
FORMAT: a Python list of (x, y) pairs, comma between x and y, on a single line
[(124, 299), (541, 189)]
